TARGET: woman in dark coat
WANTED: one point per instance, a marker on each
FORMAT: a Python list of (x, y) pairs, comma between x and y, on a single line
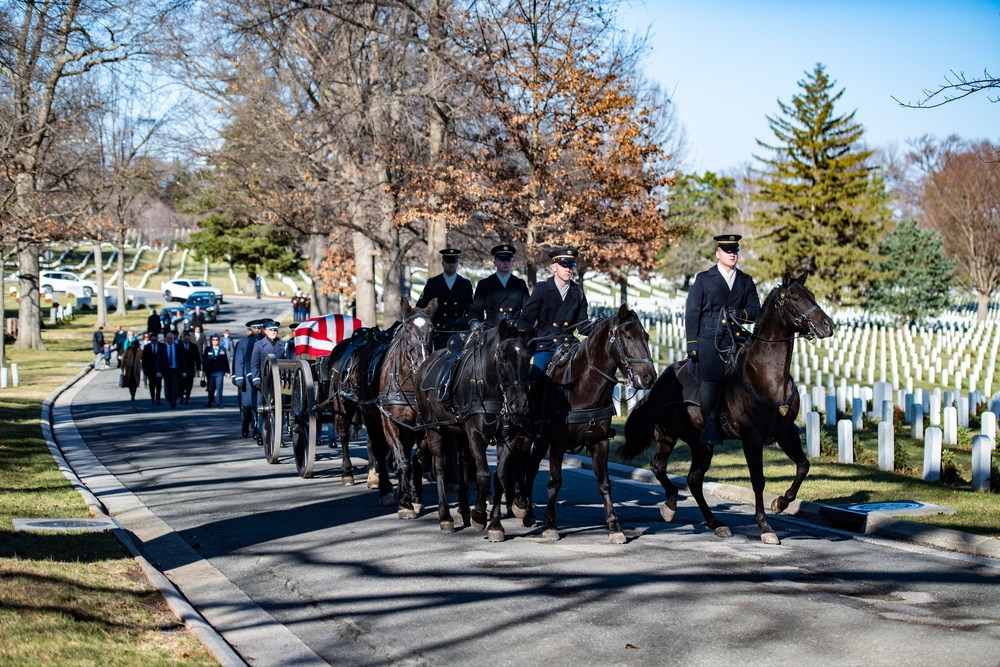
[(132, 368)]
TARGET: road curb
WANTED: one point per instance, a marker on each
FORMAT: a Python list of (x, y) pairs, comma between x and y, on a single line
[(879, 525), (178, 604)]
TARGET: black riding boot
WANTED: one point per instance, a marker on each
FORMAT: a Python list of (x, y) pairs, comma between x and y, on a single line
[(712, 433)]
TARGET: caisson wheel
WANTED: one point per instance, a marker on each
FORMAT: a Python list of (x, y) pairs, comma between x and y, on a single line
[(304, 419), (270, 401)]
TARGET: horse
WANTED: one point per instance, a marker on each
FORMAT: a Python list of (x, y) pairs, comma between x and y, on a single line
[(488, 404), (575, 410), (759, 402), (339, 369), (386, 395)]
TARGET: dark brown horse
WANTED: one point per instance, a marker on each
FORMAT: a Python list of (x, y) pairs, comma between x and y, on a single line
[(760, 402), (386, 394), (488, 405), (342, 371), (575, 410)]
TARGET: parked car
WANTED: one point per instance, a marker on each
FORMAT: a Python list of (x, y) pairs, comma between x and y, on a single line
[(208, 305), (182, 288), (66, 281)]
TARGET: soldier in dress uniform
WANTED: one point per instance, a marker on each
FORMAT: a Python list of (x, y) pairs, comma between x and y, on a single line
[(269, 344), (247, 397), (720, 293), (557, 306), (502, 295), (453, 292)]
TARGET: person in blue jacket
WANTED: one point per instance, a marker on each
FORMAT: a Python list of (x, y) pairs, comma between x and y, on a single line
[(720, 293)]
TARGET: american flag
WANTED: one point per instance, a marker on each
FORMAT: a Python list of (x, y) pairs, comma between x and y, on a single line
[(318, 336)]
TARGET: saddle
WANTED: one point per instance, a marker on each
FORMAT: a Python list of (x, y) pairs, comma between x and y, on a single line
[(558, 368), (441, 374)]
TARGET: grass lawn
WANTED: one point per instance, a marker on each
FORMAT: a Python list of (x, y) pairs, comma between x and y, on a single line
[(69, 598), (830, 482)]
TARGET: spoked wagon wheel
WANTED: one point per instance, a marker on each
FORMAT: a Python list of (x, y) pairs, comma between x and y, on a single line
[(270, 402), (304, 417)]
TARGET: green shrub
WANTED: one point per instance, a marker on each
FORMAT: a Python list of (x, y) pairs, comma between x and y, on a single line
[(965, 438), (901, 456), (951, 470)]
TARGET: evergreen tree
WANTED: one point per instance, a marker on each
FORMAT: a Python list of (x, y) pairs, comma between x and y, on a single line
[(821, 207), (915, 276)]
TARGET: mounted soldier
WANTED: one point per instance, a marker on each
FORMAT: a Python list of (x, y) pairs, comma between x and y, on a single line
[(454, 295), (720, 297), (502, 295)]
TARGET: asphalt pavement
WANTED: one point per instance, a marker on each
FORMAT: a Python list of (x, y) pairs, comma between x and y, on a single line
[(292, 571)]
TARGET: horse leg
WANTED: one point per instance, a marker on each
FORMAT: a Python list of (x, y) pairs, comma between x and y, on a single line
[(526, 505), (555, 483), (459, 454), (378, 459), (701, 461), (791, 445), (476, 441), (495, 533), (599, 457), (434, 442), (375, 469), (401, 464), (664, 448), (343, 429), (753, 452)]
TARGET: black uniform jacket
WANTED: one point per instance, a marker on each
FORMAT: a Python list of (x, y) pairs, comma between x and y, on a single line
[(494, 303), (708, 296), (556, 317), (452, 303)]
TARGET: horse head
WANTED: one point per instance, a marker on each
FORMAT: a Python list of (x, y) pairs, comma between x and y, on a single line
[(512, 361), (417, 331), (628, 347), (798, 309)]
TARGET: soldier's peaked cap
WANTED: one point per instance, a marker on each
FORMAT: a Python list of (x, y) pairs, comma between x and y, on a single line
[(728, 242), (564, 256), (254, 324), (271, 325), (450, 253), (503, 251)]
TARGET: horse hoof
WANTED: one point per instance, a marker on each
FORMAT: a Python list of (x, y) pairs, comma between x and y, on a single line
[(372, 479), (387, 500), (347, 480), (779, 505), (447, 526), (667, 513), (723, 531), (495, 536), (405, 513), (617, 538), (418, 508), (467, 521), (528, 521), (478, 525), (519, 512), (551, 534), (769, 538)]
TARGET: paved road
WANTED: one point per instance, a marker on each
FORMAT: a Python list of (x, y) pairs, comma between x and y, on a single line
[(309, 571)]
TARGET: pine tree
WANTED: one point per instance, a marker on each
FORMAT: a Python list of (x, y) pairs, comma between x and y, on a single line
[(915, 274), (821, 207)]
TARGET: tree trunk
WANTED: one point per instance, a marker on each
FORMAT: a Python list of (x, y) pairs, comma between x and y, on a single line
[(122, 308), (437, 231), (392, 269), (102, 305), (29, 312), (982, 306), (364, 291)]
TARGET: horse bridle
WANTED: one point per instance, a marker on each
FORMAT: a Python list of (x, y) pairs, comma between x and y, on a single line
[(799, 320), (627, 361)]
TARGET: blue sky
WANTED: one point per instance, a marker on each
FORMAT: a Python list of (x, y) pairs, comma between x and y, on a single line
[(727, 63)]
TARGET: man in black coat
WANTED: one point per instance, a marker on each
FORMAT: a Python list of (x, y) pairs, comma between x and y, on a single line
[(192, 366), (719, 294), (150, 363), (557, 306), (502, 295), (453, 292), (170, 368), (153, 323)]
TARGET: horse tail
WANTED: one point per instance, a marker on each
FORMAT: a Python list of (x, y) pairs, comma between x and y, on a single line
[(642, 418)]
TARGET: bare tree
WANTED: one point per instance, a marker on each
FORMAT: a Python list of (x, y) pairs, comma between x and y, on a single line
[(962, 202), (45, 47)]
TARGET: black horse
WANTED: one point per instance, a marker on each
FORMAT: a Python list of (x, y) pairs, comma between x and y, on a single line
[(341, 370), (487, 405), (386, 395), (575, 410), (760, 402)]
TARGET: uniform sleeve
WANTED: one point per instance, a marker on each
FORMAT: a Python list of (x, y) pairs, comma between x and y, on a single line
[(583, 315), (529, 314), (428, 293), (478, 309), (692, 314), (751, 305), (255, 363), (466, 297)]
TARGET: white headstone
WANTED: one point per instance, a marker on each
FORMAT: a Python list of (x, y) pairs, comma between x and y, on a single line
[(886, 447), (950, 426), (845, 441), (932, 452), (981, 454), (813, 432)]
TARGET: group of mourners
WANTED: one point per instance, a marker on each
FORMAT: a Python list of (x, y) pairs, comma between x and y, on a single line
[(557, 309)]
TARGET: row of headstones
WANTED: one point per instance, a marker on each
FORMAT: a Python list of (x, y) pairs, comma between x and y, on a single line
[(982, 445)]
